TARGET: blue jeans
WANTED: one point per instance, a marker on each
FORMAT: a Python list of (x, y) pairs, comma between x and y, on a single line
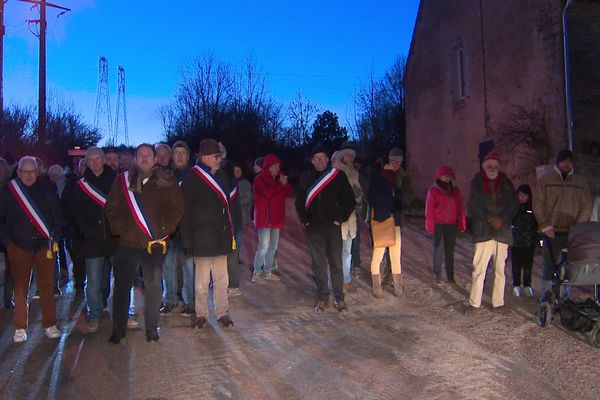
[(188, 290), (347, 258), (95, 269), (174, 254), (264, 259)]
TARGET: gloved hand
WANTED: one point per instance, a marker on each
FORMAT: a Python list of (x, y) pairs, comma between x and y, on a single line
[(496, 223)]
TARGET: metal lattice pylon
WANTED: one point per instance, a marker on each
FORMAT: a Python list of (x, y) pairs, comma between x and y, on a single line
[(121, 129), (102, 117)]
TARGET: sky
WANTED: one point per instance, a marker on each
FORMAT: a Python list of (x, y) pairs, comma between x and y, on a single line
[(324, 49)]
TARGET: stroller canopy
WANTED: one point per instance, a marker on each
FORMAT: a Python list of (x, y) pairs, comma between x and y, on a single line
[(584, 243)]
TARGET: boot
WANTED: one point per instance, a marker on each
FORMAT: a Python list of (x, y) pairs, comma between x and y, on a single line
[(398, 287), (377, 290)]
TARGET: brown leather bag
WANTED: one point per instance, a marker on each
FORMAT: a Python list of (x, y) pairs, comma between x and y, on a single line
[(384, 232)]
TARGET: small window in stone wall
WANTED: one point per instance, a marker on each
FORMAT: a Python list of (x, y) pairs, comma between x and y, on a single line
[(457, 66)]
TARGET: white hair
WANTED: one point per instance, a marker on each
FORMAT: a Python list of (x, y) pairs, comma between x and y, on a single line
[(28, 160)]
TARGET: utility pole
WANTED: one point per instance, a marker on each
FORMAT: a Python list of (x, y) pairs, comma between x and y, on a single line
[(42, 4)]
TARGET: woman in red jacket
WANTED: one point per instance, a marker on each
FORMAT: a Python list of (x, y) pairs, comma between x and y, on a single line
[(444, 216), (271, 188)]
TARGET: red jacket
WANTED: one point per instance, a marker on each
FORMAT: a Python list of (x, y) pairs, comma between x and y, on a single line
[(441, 208), (269, 197)]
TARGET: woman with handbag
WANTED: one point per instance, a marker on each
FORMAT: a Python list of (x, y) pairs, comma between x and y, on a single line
[(385, 199)]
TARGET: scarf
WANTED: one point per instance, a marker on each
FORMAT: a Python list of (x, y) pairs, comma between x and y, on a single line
[(492, 186), (447, 187)]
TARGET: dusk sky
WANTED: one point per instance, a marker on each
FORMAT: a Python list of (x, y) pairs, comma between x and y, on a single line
[(325, 49)]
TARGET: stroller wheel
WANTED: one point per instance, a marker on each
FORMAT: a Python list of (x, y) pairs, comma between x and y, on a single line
[(545, 314), (594, 335), (567, 318)]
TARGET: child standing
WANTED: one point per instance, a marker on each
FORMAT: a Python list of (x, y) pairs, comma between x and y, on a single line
[(444, 216), (525, 238)]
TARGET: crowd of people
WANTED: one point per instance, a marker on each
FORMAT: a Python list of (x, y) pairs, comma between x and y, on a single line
[(173, 222)]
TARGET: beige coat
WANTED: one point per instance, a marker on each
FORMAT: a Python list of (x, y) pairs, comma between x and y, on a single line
[(559, 203), (349, 227)]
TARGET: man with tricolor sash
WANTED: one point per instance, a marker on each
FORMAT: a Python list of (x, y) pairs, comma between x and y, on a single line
[(324, 201), (144, 207), (88, 212), (207, 231), (30, 227)]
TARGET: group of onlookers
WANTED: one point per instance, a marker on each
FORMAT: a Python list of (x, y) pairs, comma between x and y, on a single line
[(174, 223)]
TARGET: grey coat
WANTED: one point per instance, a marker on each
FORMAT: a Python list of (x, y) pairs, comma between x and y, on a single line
[(483, 206)]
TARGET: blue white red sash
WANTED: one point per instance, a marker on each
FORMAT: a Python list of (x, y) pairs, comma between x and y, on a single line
[(214, 185), (93, 192), (135, 206), (320, 184), (35, 216), (233, 194)]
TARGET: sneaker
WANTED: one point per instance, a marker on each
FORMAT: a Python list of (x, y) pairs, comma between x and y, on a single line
[(341, 306), (225, 321), (52, 332), (93, 326), (36, 295), (199, 322), (166, 309), (132, 323), (187, 310), (517, 291), (233, 292), (258, 279), (528, 291), (20, 336), (270, 276), (321, 306), (57, 293), (9, 304)]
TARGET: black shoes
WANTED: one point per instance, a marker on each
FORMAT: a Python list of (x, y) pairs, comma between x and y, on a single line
[(9, 304), (116, 337), (341, 306), (225, 321), (200, 323), (152, 335), (167, 308), (187, 310), (321, 306)]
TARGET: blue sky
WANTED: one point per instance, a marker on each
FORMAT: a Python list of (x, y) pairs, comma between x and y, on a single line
[(324, 49)]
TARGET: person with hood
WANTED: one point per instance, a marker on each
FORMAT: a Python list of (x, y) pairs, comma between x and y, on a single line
[(271, 187), (561, 199), (144, 207), (88, 212), (344, 161), (525, 239), (444, 217), (492, 204)]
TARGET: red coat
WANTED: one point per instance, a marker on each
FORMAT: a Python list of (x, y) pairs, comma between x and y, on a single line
[(269, 200), (441, 208)]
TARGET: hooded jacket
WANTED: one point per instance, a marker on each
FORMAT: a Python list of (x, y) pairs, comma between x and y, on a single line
[(269, 197), (90, 218), (443, 208), (162, 201)]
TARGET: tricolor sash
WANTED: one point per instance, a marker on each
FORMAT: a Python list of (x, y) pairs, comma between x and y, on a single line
[(233, 194), (35, 216), (216, 187), (135, 206), (93, 192), (320, 184)]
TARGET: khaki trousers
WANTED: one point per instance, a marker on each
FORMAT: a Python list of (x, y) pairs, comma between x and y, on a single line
[(483, 252), (218, 267), (395, 255), (21, 263)]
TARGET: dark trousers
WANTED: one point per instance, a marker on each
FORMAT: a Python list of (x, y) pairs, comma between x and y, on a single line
[(551, 253), (126, 267), (356, 261), (233, 269), (325, 243), (444, 234), (522, 262), (9, 284), (75, 249)]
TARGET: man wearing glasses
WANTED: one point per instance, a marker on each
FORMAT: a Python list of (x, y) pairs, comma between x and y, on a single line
[(30, 227), (492, 205)]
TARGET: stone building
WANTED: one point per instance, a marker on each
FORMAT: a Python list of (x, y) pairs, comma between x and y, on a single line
[(487, 69)]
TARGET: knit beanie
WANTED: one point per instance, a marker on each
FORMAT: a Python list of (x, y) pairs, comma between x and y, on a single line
[(564, 155)]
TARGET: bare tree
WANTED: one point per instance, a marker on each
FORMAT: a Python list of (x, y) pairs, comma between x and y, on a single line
[(301, 114)]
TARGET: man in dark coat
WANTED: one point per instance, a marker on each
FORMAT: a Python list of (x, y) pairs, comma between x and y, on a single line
[(88, 213), (144, 207), (30, 228), (492, 205), (324, 201), (207, 231)]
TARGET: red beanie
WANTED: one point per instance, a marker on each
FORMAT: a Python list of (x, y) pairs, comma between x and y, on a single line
[(492, 155)]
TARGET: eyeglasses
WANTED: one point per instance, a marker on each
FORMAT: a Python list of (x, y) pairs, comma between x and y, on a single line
[(28, 171), (492, 169)]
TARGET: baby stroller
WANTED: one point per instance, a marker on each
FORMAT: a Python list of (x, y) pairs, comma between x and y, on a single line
[(579, 266)]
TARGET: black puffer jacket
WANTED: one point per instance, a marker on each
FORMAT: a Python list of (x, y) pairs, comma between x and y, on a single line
[(524, 227), (205, 228), (334, 203), (90, 217), (15, 225)]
